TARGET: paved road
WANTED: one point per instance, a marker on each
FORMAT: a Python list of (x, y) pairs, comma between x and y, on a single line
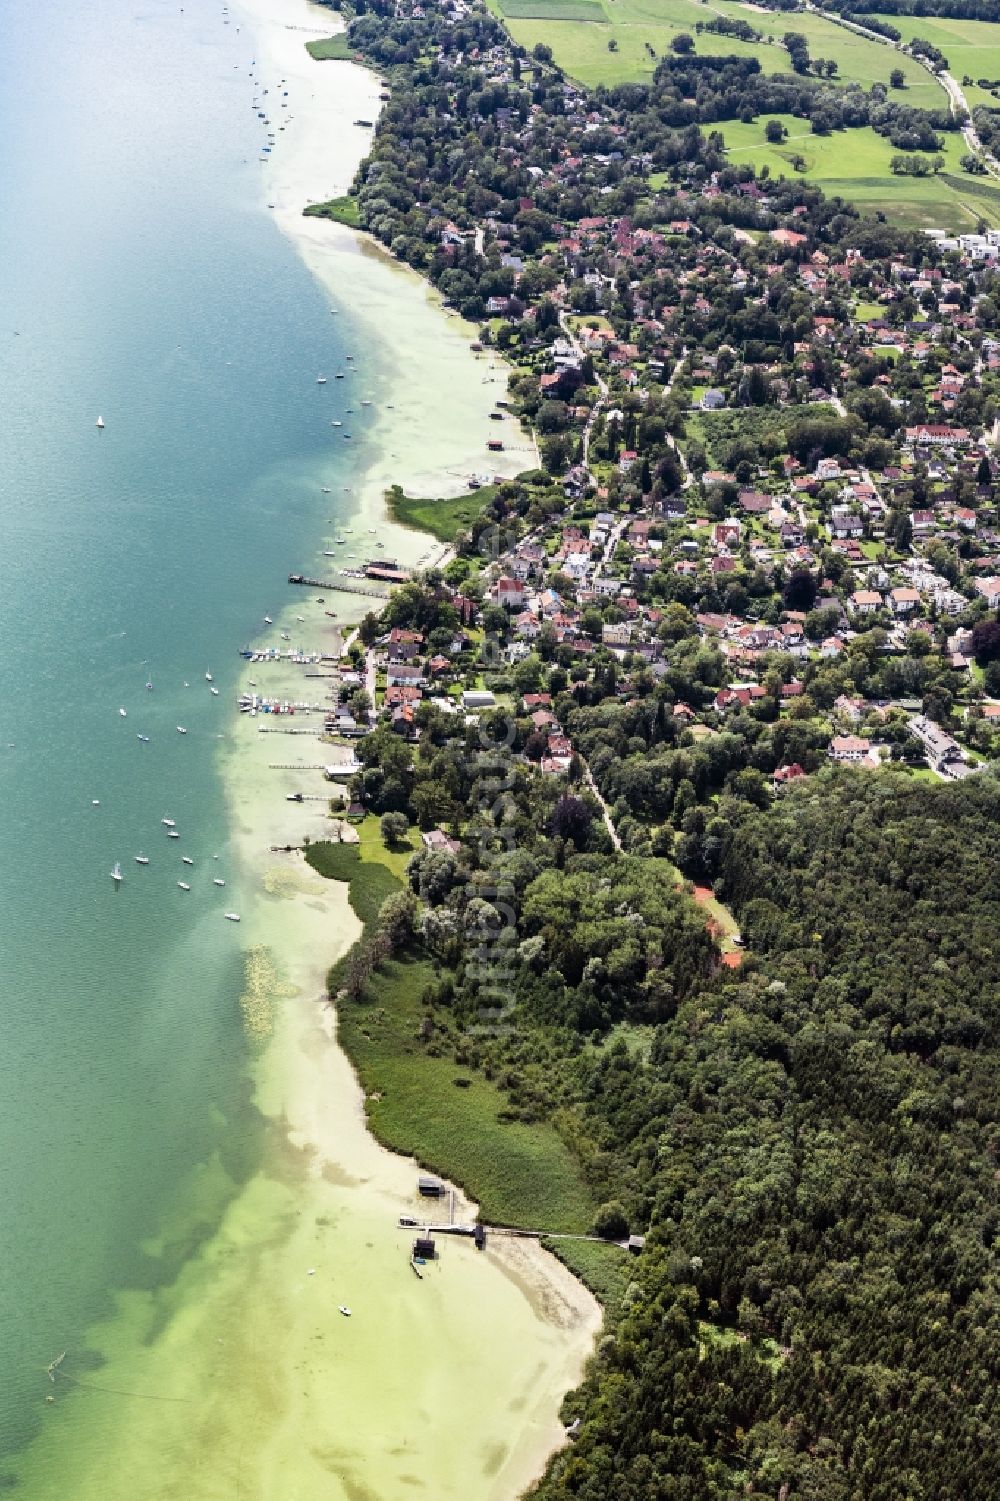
[(602, 384)]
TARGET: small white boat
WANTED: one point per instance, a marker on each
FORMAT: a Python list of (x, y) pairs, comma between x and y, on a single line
[(215, 691), (345, 1310), (149, 685), (172, 834), (326, 489), (143, 738), (321, 380), (142, 859), (218, 881), (184, 885), (268, 620), (116, 874), (336, 422), (187, 860), (232, 917), (122, 713), (95, 802), (208, 677), (181, 730), (100, 422), (168, 822)]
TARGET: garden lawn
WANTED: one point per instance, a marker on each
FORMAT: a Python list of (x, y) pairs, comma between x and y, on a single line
[(372, 848), (865, 312)]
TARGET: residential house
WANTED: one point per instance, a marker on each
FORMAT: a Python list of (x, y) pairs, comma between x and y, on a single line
[(849, 748)]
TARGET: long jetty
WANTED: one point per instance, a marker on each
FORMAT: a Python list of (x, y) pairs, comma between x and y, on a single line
[(300, 578)]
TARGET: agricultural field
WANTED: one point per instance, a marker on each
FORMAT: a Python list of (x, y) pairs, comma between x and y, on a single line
[(971, 47), (855, 165), (579, 33)]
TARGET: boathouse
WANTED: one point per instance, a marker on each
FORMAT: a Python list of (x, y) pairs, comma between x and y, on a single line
[(430, 1188), (423, 1247)]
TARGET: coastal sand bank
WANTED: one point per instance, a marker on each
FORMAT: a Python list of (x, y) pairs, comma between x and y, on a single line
[(435, 436)]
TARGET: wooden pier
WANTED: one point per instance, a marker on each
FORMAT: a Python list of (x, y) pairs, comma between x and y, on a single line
[(308, 583)]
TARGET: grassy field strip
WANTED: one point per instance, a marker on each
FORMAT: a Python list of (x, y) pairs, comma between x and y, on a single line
[(855, 164), (971, 47)]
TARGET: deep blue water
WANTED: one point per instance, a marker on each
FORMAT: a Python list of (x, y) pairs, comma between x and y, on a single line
[(139, 279)]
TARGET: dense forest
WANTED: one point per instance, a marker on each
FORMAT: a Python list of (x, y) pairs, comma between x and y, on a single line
[(814, 1146)]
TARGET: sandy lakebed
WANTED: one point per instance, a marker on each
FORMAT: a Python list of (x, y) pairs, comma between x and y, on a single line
[(250, 1384)]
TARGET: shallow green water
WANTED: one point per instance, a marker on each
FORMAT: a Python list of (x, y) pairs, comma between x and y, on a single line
[(142, 281)]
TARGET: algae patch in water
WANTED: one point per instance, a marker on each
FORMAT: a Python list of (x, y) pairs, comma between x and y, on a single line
[(262, 988)]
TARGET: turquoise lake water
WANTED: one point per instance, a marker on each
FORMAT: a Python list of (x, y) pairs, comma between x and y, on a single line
[(143, 280)]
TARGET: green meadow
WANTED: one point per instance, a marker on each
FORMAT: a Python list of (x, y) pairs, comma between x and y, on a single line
[(578, 31), (855, 164), (330, 48), (453, 1118), (444, 519), (971, 47), (341, 210)]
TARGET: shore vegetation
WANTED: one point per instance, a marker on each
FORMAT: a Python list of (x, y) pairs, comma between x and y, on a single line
[(330, 49)]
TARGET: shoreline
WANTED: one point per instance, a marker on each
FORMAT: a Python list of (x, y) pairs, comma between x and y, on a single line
[(289, 1082), (399, 313)]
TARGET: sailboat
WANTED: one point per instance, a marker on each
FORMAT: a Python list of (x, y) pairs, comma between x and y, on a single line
[(116, 874)]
